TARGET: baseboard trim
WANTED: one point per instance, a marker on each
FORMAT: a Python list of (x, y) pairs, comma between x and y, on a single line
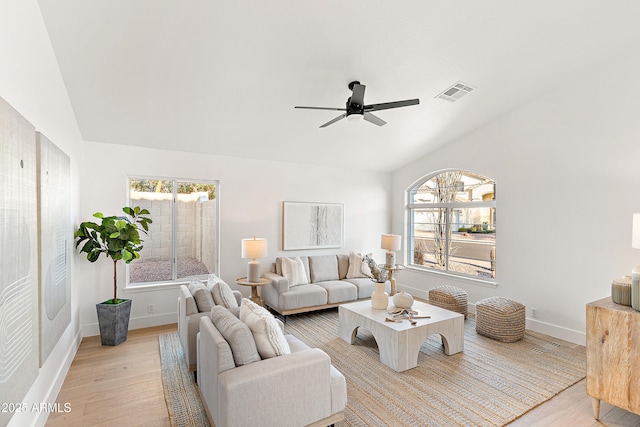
[(92, 329), (46, 387), (534, 325), (556, 331)]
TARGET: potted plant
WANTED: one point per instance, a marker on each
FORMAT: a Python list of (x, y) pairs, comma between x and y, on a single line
[(118, 238)]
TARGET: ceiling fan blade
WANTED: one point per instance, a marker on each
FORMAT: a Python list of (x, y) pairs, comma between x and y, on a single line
[(322, 108), (374, 119), (388, 105), (330, 122), (357, 98)]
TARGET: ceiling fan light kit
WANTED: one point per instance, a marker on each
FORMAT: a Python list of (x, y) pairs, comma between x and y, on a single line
[(356, 110)]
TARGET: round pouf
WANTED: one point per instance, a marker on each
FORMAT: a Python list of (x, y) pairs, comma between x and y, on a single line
[(500, 318), (450, 298)]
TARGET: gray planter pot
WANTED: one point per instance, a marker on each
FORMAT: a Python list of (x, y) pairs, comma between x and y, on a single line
[(114, 322)]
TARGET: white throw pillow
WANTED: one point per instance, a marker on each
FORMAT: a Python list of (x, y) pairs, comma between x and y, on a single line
[(293, 270), (357, 268), (267, 334), (221, 292)]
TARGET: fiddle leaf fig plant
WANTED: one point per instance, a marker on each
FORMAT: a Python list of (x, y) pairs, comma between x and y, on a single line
[(117, 237)]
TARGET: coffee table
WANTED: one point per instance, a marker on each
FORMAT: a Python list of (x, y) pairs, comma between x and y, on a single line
[(399, 343)]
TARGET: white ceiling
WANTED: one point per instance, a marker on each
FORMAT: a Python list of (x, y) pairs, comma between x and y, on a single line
[(222, 77)]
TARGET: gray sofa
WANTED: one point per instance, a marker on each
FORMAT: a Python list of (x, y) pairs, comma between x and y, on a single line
[(189, 323), (328, 286), (301, 388)]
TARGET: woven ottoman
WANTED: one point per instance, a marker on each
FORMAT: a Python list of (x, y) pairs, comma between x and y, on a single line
[(500, 318), (450, 298)]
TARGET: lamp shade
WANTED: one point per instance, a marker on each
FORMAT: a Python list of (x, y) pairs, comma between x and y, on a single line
[(635, 231), (254, 248), (391, 242)]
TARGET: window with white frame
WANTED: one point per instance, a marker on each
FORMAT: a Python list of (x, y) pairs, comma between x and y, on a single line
[(452, 224), (182, 242)]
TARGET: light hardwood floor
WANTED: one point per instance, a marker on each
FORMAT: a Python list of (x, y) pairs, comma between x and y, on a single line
[(115, 386), (121, 385)]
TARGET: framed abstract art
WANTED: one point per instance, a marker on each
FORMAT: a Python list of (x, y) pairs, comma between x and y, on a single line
[(307, 225)]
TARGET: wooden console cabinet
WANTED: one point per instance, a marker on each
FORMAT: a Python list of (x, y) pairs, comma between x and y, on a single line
[(613, 355)]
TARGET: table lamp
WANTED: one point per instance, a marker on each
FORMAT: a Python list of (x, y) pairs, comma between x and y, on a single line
[(391, 242), (635, 273), (253, 249)]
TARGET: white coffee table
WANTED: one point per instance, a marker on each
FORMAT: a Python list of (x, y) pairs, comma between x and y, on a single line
[(399, 343)]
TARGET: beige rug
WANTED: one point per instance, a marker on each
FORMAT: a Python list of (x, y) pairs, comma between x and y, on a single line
[(180, 391), (489, 384)]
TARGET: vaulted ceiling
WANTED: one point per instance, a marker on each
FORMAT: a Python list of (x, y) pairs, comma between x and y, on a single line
[(222, 77)]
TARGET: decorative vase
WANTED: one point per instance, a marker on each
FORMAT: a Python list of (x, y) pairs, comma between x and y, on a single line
[(379, 298), (621, 290), (403, 300), (635, 288)]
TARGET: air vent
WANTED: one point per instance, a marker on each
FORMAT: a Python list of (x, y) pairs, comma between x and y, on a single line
[(455, 92)]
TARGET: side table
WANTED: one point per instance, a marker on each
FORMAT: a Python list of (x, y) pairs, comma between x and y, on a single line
[(391, 269), (243, 281)]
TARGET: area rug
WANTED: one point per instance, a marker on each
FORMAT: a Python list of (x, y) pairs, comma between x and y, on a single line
[(489, 384), (180, 391)]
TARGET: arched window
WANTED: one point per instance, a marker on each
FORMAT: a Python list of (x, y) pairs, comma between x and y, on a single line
[(452, 224)]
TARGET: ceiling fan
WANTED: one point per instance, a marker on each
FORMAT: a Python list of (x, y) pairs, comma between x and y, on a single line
[(356, 110)]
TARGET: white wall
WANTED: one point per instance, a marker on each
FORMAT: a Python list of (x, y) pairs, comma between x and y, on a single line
[(250, 196), (565, 164), (30, 81), (567, 177)]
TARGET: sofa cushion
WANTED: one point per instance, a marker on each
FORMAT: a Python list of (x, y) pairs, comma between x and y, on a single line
[(339, 291), (323, 267), (237, 334), (302, 296), (357, 268), (365, 286), (293, 270), (221, 292), (202, 296), (268, 336)]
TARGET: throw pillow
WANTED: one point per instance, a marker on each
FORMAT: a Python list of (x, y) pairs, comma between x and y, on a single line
[(237, 334), (221, 292), (293, 270), (267, 334), (202, 296), (324, 268), (356, 267)]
